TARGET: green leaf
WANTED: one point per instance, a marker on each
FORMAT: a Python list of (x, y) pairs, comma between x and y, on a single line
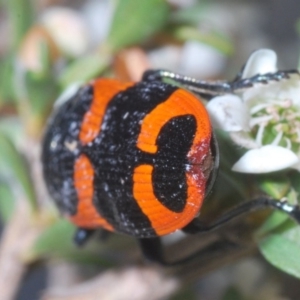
[(276, 219), (294, 177), (35, 94), (192, 14), (41, 93), (135, 21), (7, 202), (276, 186), (212, 38), (293, 234), (55, 239), (57, 242), (20, 17), (6, 80), (282, 252), (12, 163), (84, 69)]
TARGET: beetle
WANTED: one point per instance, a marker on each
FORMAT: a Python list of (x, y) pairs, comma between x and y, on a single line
[(140, 158)]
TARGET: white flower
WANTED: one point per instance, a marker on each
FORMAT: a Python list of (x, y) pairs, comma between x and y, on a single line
[(264, 119)]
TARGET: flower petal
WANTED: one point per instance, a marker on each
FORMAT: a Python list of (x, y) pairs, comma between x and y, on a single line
[(296, 166), (260, 62), (266, 159), (244, 139), (228, 113)]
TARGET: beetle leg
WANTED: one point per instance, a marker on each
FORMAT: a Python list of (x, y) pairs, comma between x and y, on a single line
[(200, 87), (210, 89), (293, 211), (153, 250), (240, 84), (82, 235)]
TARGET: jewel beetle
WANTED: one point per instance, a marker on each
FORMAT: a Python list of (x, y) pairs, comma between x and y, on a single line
[(139, 158)]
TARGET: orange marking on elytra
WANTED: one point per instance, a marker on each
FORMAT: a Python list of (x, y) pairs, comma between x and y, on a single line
[(86, 216), (163, 220), (104, 90), (179, 103)]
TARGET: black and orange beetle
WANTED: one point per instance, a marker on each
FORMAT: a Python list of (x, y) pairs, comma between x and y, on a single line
[(139, 158)]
